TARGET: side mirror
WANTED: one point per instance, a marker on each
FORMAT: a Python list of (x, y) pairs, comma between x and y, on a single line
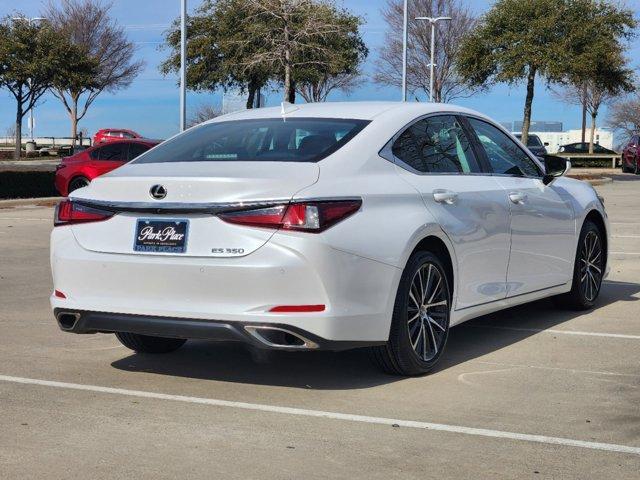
[(546, 144), (554, 167)]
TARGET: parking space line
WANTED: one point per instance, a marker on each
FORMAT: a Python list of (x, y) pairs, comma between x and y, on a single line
[(625, 236), (560, 369), (481, 432), (26, 218), (624, 253), (562, 332)]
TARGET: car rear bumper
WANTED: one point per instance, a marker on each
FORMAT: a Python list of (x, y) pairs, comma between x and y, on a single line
[(202, 293), (258, 335)]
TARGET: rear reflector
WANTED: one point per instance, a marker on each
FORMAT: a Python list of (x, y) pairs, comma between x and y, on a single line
[(312, 217), (69, 212), (297, 308), (59, 294)]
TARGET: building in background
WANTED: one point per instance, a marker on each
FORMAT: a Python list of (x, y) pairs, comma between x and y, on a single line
[(603, 137), (551, 133), (538, 126)]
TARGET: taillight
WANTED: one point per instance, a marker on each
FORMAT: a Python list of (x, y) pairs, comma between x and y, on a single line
[(313, 217), (69, 212)]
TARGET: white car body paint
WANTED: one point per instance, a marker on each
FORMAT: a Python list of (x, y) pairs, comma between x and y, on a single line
[(502, 254)]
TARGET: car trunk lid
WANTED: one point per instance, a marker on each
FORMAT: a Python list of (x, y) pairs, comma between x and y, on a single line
[(194, 191)]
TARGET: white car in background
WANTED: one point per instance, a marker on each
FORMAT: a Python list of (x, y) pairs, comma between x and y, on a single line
[(325, 226)]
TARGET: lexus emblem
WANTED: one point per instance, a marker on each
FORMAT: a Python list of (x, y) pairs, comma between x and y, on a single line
[(158, 192)]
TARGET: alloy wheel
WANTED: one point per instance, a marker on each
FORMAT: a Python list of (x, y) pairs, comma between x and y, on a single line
[(427, 312), (591, 265)]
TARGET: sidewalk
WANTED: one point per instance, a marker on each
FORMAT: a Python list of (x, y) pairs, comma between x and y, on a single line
[(43, 164)]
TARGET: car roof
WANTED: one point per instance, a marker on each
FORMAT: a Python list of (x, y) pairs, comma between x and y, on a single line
[(117, 130), (350, 110), (127, 140)]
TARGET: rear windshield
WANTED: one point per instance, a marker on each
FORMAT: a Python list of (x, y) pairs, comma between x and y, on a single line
[(268, 140)]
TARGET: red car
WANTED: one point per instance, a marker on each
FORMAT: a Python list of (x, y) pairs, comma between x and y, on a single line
[(114, 134), (631, 155), (78, 170)]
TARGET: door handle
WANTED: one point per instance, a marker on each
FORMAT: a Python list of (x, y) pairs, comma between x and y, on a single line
[(445, 196), (518, 198)]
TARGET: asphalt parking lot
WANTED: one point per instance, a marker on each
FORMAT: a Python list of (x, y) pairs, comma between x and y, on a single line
[(532, 392)]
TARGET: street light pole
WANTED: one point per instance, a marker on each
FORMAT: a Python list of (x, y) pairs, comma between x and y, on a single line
[(405, 38), (433, 21), (29, 21), (183, 65)]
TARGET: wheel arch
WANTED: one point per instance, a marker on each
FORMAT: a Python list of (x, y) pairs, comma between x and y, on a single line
[(596, 217), (76, 177)]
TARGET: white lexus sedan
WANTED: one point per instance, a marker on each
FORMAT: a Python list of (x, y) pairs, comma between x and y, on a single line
[(325, 226)]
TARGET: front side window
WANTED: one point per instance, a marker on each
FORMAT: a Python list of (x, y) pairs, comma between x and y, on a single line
[(258, 140), (503, 154), (436, 145)]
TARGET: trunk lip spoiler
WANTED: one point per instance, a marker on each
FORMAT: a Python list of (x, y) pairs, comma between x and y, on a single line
[(202, 208)]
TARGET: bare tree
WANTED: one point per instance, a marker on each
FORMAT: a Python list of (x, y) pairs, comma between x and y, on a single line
[(203, 113), (87, 23), (447, 84), (291, 34), (10, 134), (591, 98), (319, 91), (624, 115)]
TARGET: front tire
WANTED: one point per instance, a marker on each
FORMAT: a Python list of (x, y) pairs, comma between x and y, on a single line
[(420, 322), (588, 269), (147, 344), (623, 166)]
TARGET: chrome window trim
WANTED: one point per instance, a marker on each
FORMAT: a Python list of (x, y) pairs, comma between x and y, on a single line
[(387, 151), (518, 144)]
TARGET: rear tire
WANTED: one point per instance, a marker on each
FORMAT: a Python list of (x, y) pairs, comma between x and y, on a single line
[(588, 269), (78, 182), (420, 322), (148, 344)]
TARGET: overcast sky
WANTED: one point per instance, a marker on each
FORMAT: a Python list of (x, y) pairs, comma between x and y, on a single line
[(150, 104)]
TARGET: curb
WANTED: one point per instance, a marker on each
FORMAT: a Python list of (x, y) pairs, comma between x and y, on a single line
[(26, 202), (593, 181), (600, 181)]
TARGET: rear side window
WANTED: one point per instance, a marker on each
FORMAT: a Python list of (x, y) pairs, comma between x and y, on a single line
[(436, 145), (136, 149), (503, 154), (114, 151), (259, 140)]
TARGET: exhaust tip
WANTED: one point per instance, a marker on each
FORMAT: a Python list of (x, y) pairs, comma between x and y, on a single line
[(276, 337), (67, 320)]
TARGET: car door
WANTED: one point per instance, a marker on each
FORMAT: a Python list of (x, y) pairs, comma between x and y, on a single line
[(542, 219), (111, 157), (435, 156)]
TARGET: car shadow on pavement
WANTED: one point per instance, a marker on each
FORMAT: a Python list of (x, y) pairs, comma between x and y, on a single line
[(352, 369), (493, 332)]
